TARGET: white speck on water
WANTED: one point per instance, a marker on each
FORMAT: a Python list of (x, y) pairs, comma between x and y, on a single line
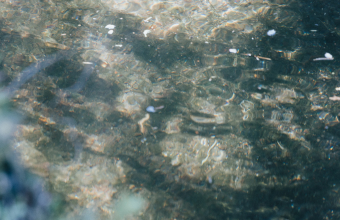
[(110, 26), (146, 32), (233, 50), (210, 179), (147, 20), (110, 32), (154, 109), (328, 55), (151, 109), (271, 32)]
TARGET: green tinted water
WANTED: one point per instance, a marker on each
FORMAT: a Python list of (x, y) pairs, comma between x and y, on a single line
[(172, 110)]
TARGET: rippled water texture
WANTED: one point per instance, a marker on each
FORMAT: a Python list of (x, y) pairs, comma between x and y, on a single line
[(169, 109)]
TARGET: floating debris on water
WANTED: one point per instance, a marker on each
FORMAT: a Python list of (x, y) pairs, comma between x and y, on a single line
[(146, 32), (271, 32), (153, 109), (110, 26), (328, 56), (233, 50)]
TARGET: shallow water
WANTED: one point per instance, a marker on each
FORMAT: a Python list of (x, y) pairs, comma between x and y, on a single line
[(169, 110)]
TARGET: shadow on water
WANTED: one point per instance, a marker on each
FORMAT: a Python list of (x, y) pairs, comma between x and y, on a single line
[(164, 54)]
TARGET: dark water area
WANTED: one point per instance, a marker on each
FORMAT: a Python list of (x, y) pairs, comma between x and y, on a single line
[(169, 110)]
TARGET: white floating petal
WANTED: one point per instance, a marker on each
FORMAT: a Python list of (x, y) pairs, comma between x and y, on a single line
[(271, 32), (328, 55), (151, 109), (110, 26), (233, 50), (146, 32)]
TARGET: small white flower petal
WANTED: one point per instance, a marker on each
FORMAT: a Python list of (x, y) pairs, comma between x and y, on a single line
[(110, 26), (146, 32), (233, 50), (328, 55), (271, 32)]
